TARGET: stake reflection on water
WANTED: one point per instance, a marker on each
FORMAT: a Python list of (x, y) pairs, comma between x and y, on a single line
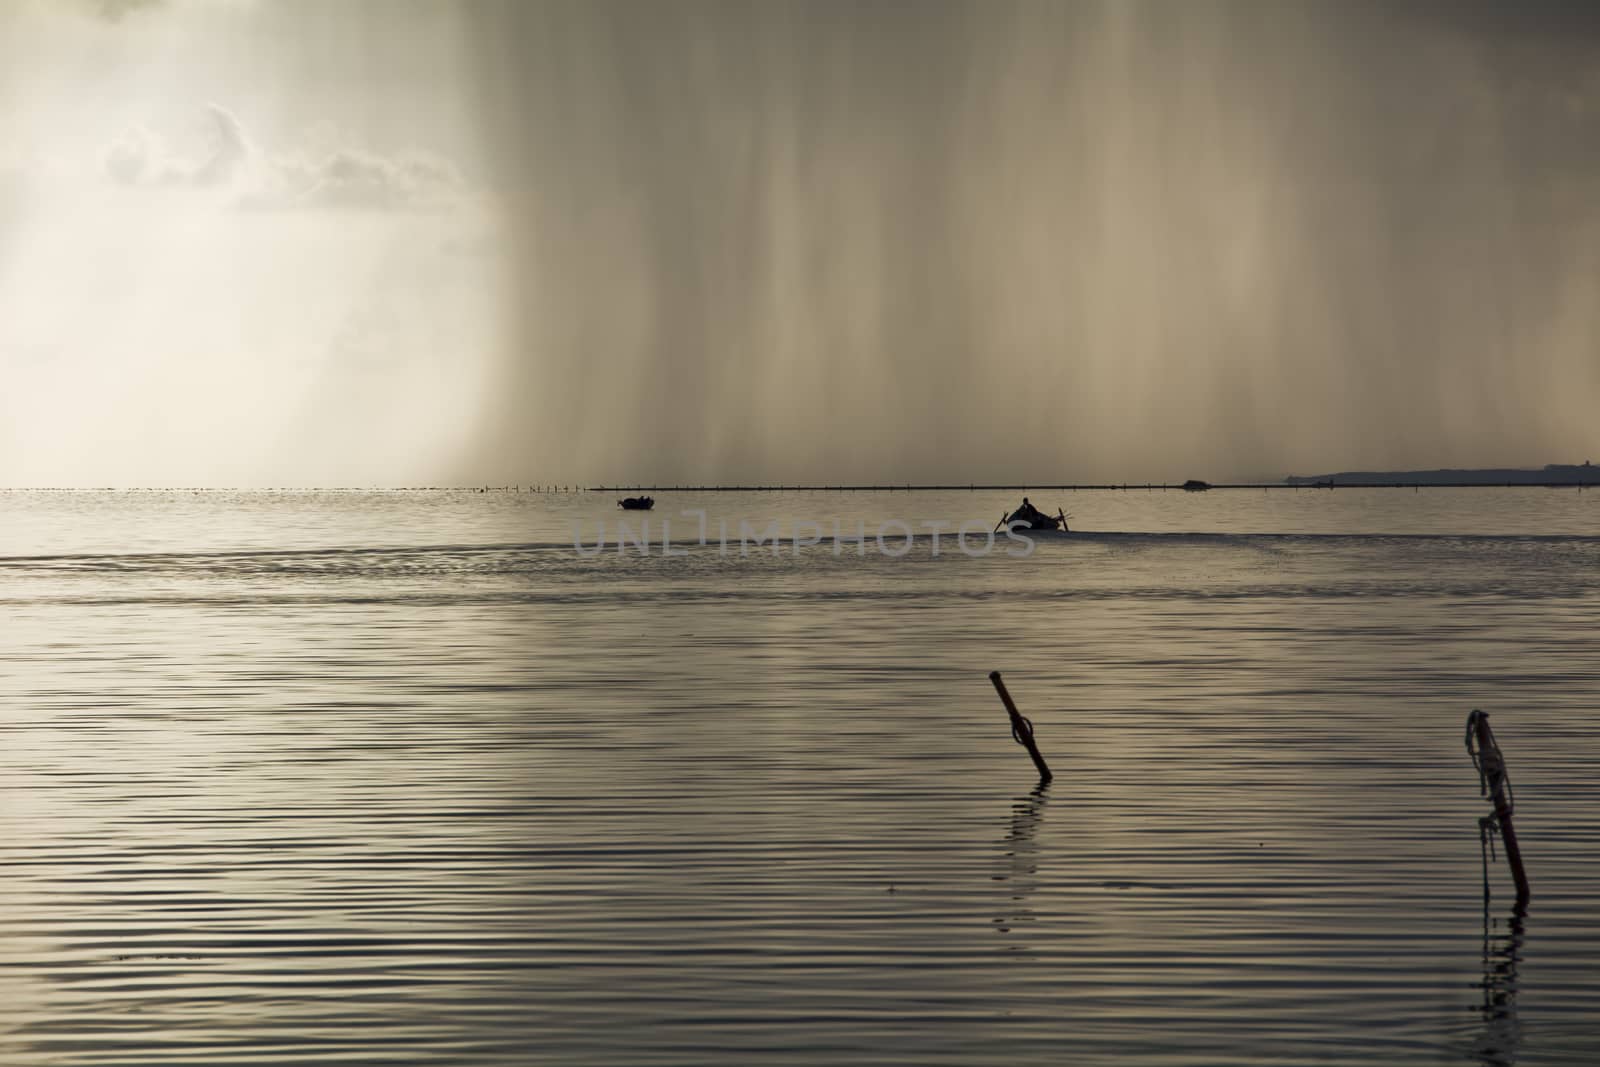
[(1020, 859), (1496, 1045)]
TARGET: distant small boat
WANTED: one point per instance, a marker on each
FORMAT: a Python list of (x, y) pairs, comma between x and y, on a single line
[(636, 503), (1018, 521), (1195, 485)]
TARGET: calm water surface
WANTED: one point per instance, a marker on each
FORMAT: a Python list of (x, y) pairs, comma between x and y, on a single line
[(403, 777)]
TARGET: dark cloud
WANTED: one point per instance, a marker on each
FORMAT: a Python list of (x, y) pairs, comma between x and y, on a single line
[(1562, 23), (941, 241)]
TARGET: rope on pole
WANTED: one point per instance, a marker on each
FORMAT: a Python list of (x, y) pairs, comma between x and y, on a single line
[(1494, 782)]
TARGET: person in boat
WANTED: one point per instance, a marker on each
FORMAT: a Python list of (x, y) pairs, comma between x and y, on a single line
[(1030, 515)]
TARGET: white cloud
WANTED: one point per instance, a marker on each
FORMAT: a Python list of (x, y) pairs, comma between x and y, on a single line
[(340, 177), (113, 10), (129, 156), (141, 157), (350, 178)]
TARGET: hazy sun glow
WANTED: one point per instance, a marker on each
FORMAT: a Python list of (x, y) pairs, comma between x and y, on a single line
[(196, 297)]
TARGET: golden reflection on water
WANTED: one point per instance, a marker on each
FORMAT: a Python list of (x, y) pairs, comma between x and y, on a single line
[(448, 804)]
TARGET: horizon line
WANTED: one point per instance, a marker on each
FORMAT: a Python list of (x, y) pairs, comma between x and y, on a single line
[(1192, 485)]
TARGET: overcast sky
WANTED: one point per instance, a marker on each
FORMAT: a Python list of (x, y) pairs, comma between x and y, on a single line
[(394, 242)]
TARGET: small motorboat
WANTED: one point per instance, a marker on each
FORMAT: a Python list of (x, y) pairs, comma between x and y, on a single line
[(636, 503), (1195, 485)]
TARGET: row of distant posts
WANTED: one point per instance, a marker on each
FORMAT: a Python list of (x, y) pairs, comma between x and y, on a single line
[(1493, 780)]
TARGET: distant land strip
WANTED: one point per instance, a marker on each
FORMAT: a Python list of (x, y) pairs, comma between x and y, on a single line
[(1552, 476)]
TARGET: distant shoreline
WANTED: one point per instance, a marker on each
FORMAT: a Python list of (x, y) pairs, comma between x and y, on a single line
[(1553, 474)]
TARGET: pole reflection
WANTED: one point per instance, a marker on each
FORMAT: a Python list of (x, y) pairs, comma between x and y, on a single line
[(1501, 1034), (1020, 861)]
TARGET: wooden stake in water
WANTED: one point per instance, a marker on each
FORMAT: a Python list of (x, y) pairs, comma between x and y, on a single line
[(1496, 786), (1021, 728)]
